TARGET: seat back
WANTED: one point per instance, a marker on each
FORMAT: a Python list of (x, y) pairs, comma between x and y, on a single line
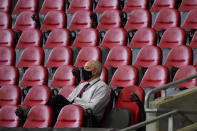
[(161, 4), (9, 95), (5, 5), (34, 75), (39, 116), (7, 38), (7, 56), (8, 117), (177, 59), (65, 91), (31, 56), (70, 116), (114, 37), (148, 56), (131, 5), (187, 5), (5, 20), (137, 19), (190, 20), (193, 43), (104, 5), (77, 5), (104, 75), (124, 76)]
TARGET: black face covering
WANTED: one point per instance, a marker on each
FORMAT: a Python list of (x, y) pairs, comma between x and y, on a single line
[(86, 75)]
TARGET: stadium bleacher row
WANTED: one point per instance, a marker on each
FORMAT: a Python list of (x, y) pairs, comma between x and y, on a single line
[(141, 44)]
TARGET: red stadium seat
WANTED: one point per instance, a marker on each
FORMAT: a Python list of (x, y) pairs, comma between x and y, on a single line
[(52, 5), (5, 20), (63, 77), (5, 5), (81, 19), (172, 37), (33, 76), (86, 37), (7, 56), (167, 18), (124, 76), (36, 95), (191, 20), (39, 116), (28, 38), (183, 72), (26, 5), (8, 117), (187, 5), (149, 38), (31, 56), (8, 75), (7, 38), (193, 43), (70, 116), (104, 5), (131, 5), (155, 76), (124, 101), (109, 19), (65, 91), (24, 21), (177, 59), (148, 56), (59, 56), (118, 56), (104, 74), (53, 20), (57, 37), (138, 18), (77, 5), (86, 54), (114, 37), (9, 95), (161, 4)]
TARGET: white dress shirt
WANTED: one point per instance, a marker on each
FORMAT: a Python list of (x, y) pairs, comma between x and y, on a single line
[(96, 97)]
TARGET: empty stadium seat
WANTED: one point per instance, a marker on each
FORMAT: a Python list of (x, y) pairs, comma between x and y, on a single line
[(104, 5), (104, 75), (193, 43), (109, 19), (179, 56), (86, 37), (5, 5), (36, 95), (24, 21), (33, 76), (124, 101), (148, 56), (81, 19), (5, 20), (149, 38), (57, 37), (114, 37), (9, 95), (77, 5), (86, 54), (70, 116), (191, 20), (8, 117), (63, 77), (7, 56), (167, 18), (52, 5), (25, 5), (28, 38), (138, 18), (118, 56), (131, 5), (54, 19), (7, 38), (66, 90), (8, 75), (155, 76), (31, 56), (59, 56), (124, 76), (187, 5), (161, 4), (39, 116), (183, 72), (172, 37)]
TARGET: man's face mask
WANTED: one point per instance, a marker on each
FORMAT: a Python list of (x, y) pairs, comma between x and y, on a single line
[(86, 75)]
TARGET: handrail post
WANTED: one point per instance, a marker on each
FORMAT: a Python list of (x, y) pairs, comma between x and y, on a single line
[(171, 123)]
